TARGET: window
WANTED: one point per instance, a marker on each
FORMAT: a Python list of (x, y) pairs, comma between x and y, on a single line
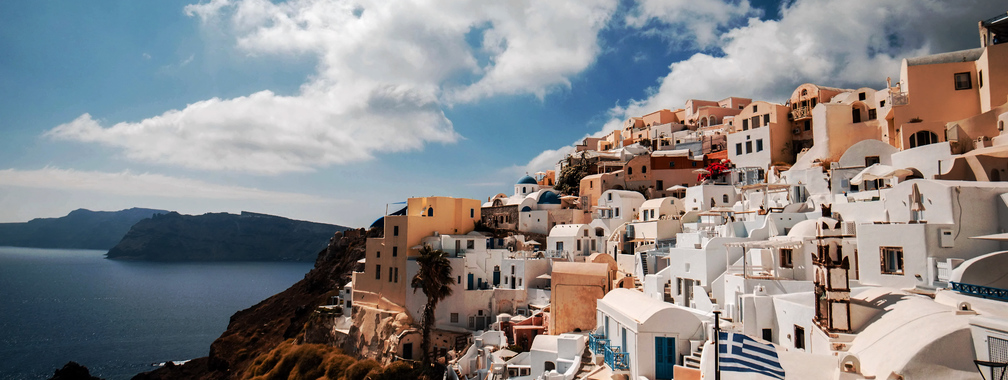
[(610, 196), (629, 170), (671, 164), (459, 280), (559, 246), (472, 213), (963, 81), (745, 124), (724, 198), (579, 244), (921, 138), (768, 335), (808, 125), (872, 114), (395, 231), (871, 160), (856, 115), (679, 286), (659, 184), (738, 149), (892, 260), (980, 78), (378, 254), (643, 169), (390, 274), (759, 145), (512, 270), (748, 147), (454, 317), (395, 251), (766, 119), (861, 96), (799, 337), (785, 258), (754, 108), (430, 211), (397, 274), (617, 212), (881, 103), (470, 244), (519, 281), (377, 272), (755, 121)]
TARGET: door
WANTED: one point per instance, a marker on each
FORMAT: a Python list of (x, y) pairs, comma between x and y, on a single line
[(665, 357), (407, 351), (470, 282)]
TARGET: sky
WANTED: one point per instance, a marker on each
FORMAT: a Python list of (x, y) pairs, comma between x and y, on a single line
[(330, 110)]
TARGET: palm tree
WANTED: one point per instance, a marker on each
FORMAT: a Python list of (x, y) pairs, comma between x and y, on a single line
[(434, 277)]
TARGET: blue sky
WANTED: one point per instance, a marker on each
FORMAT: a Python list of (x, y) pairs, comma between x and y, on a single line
[(328, 110)]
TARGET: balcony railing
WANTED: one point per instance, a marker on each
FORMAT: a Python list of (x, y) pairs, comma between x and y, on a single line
[(615, 359), (898, 98), (801, 113), (980, 291)]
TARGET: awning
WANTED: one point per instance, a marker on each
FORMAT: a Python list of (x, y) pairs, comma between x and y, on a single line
[(879, 171), (999, 237)]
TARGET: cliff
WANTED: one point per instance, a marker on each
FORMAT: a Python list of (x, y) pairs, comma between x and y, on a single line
[(80, 229), (223, 237), (254, 333)]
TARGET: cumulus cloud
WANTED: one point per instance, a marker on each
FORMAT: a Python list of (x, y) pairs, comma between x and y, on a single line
[(689, 23), (385, 71), (840, 44), (126, 183)]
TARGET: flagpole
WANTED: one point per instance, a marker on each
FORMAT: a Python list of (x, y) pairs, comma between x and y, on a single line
[(717, 345)]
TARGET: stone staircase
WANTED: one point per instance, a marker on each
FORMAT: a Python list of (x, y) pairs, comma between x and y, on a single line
[(693, 360)]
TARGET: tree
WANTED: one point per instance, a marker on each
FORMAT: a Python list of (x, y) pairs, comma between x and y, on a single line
[(570, 177), (434, 277)]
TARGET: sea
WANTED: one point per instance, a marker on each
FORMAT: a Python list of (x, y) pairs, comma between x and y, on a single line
[(120, 318)]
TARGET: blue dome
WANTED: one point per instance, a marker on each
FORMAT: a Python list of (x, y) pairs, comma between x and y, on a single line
[(549, 198), (526, 180)]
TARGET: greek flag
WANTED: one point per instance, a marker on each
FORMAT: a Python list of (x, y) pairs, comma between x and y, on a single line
[(740, 353)]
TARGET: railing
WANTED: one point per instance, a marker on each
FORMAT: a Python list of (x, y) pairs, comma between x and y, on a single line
[(613, 357), (980, 290), (801, 112), (898, 98)]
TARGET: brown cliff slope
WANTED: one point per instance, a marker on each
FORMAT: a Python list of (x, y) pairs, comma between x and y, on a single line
[(259, 329)]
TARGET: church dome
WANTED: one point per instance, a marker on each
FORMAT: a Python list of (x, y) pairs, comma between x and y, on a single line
[(549, 198), (527, 180)]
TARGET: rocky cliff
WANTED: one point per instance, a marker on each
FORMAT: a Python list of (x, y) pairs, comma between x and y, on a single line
[(223, 237), (254, 333), (80, 229)]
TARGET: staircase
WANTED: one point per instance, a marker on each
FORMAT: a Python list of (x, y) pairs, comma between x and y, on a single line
[(693, 360), (643, 260)]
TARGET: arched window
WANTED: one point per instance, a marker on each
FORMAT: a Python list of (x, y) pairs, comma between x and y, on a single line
[(643, 169), (995, 176), (804, 92), (430, 211), (921, 138), (713, 120), (629, 170)]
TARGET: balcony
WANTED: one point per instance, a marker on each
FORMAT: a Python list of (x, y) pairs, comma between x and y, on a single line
[(615, 359), (980, 291), (801, 113), (898, 98)]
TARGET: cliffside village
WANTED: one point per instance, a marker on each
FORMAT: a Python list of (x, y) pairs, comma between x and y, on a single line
[(845, 234)]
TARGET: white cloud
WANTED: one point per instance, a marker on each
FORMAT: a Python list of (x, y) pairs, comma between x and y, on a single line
[(841, 44), (188, 60), (689, 23), (146, 56), (126, 183), (386, 69)]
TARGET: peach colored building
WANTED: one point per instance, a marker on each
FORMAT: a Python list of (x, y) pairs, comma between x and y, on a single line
[(675, 167), (575, 291), (383, 282), (937, 89), (761, 136), (802, 101)]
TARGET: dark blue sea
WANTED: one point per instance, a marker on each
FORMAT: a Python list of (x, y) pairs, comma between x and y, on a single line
[(119, 317)]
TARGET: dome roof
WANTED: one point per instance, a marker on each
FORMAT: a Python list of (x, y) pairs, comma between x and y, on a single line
[(527, 180), (549, 198)]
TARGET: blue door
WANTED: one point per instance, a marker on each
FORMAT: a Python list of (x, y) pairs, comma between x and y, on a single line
[(470, 282), (665, 357)]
